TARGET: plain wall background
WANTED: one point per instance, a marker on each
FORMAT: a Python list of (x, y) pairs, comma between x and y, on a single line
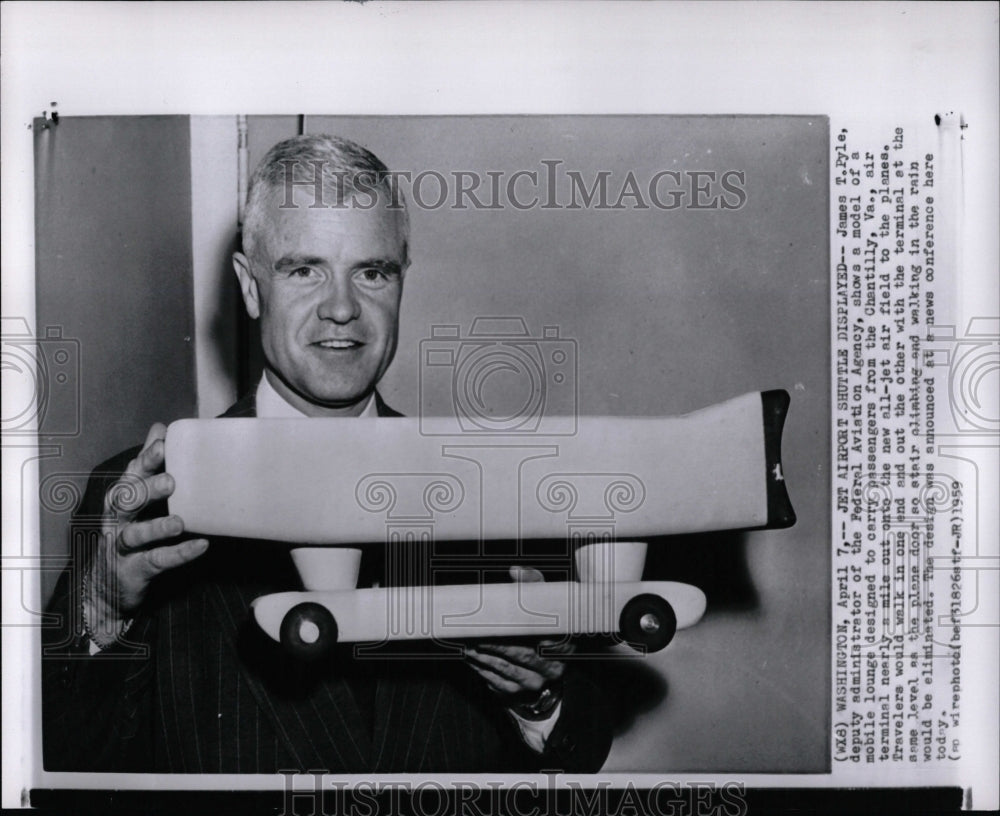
[(114, 275), (670, 310)]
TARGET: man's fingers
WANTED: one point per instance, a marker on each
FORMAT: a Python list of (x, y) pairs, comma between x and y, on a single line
[(540, 658), (150, 459), (523, 677), (548, 648), (524, 655), (160, 559), (495, 681), (126, 497), (156, 431), (527, 575), (142, 481), (140, 533)]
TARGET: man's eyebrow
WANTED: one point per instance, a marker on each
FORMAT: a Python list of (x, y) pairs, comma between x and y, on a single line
[(386, 265), (292, 261)]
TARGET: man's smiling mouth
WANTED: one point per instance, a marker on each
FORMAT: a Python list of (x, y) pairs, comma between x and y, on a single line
[(338, 345)]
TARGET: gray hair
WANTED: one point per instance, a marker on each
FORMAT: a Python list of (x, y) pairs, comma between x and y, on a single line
[(345, 169)]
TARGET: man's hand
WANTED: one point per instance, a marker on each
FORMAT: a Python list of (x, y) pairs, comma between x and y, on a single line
[(517, 672), (132, 553)]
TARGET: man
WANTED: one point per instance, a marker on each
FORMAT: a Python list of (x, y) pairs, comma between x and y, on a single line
[(163, 669)]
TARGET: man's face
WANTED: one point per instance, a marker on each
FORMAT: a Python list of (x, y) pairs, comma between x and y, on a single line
[(326, 284)]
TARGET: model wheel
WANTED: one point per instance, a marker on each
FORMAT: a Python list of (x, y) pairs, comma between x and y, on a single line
[(647, 623), (308, 631)]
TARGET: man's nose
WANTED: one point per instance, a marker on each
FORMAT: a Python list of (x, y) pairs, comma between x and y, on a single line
[(339, 302)]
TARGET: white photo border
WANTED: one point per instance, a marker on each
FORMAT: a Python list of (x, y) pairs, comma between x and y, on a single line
[(851, 62)]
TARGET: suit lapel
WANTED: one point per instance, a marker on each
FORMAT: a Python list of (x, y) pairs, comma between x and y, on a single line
[(382, 409), (246, 406)]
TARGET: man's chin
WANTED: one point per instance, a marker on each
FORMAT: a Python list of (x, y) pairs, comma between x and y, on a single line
[(340, 403), (338, 400), (331, 398)]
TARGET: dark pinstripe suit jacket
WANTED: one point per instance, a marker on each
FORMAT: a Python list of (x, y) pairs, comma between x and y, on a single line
[(202, 690)]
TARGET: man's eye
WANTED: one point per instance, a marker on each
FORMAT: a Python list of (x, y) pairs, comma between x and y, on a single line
[(301, 272), (373, 275)]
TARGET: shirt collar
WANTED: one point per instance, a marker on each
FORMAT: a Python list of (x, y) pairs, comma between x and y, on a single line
[(271, 405)]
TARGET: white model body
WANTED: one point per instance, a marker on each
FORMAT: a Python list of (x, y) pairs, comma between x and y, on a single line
[(350, 481), (478, 611)]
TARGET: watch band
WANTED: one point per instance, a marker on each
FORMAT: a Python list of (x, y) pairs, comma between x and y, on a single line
[(542, 707), (101, 642)]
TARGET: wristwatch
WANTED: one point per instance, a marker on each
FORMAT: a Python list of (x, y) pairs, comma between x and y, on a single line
[(543, 705)]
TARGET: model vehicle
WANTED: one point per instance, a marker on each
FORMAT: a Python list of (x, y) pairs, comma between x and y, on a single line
[(331, 487)]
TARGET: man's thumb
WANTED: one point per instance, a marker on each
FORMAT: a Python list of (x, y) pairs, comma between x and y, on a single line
[(528, 575)]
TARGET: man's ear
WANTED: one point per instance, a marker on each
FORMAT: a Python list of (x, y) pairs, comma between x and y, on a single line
[(248, 284)]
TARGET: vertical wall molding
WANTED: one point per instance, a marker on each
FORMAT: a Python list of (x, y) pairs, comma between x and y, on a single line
[(214, 225)]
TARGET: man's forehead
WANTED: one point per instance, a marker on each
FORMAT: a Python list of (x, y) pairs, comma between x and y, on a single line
[(331, 196), (364, 221)]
